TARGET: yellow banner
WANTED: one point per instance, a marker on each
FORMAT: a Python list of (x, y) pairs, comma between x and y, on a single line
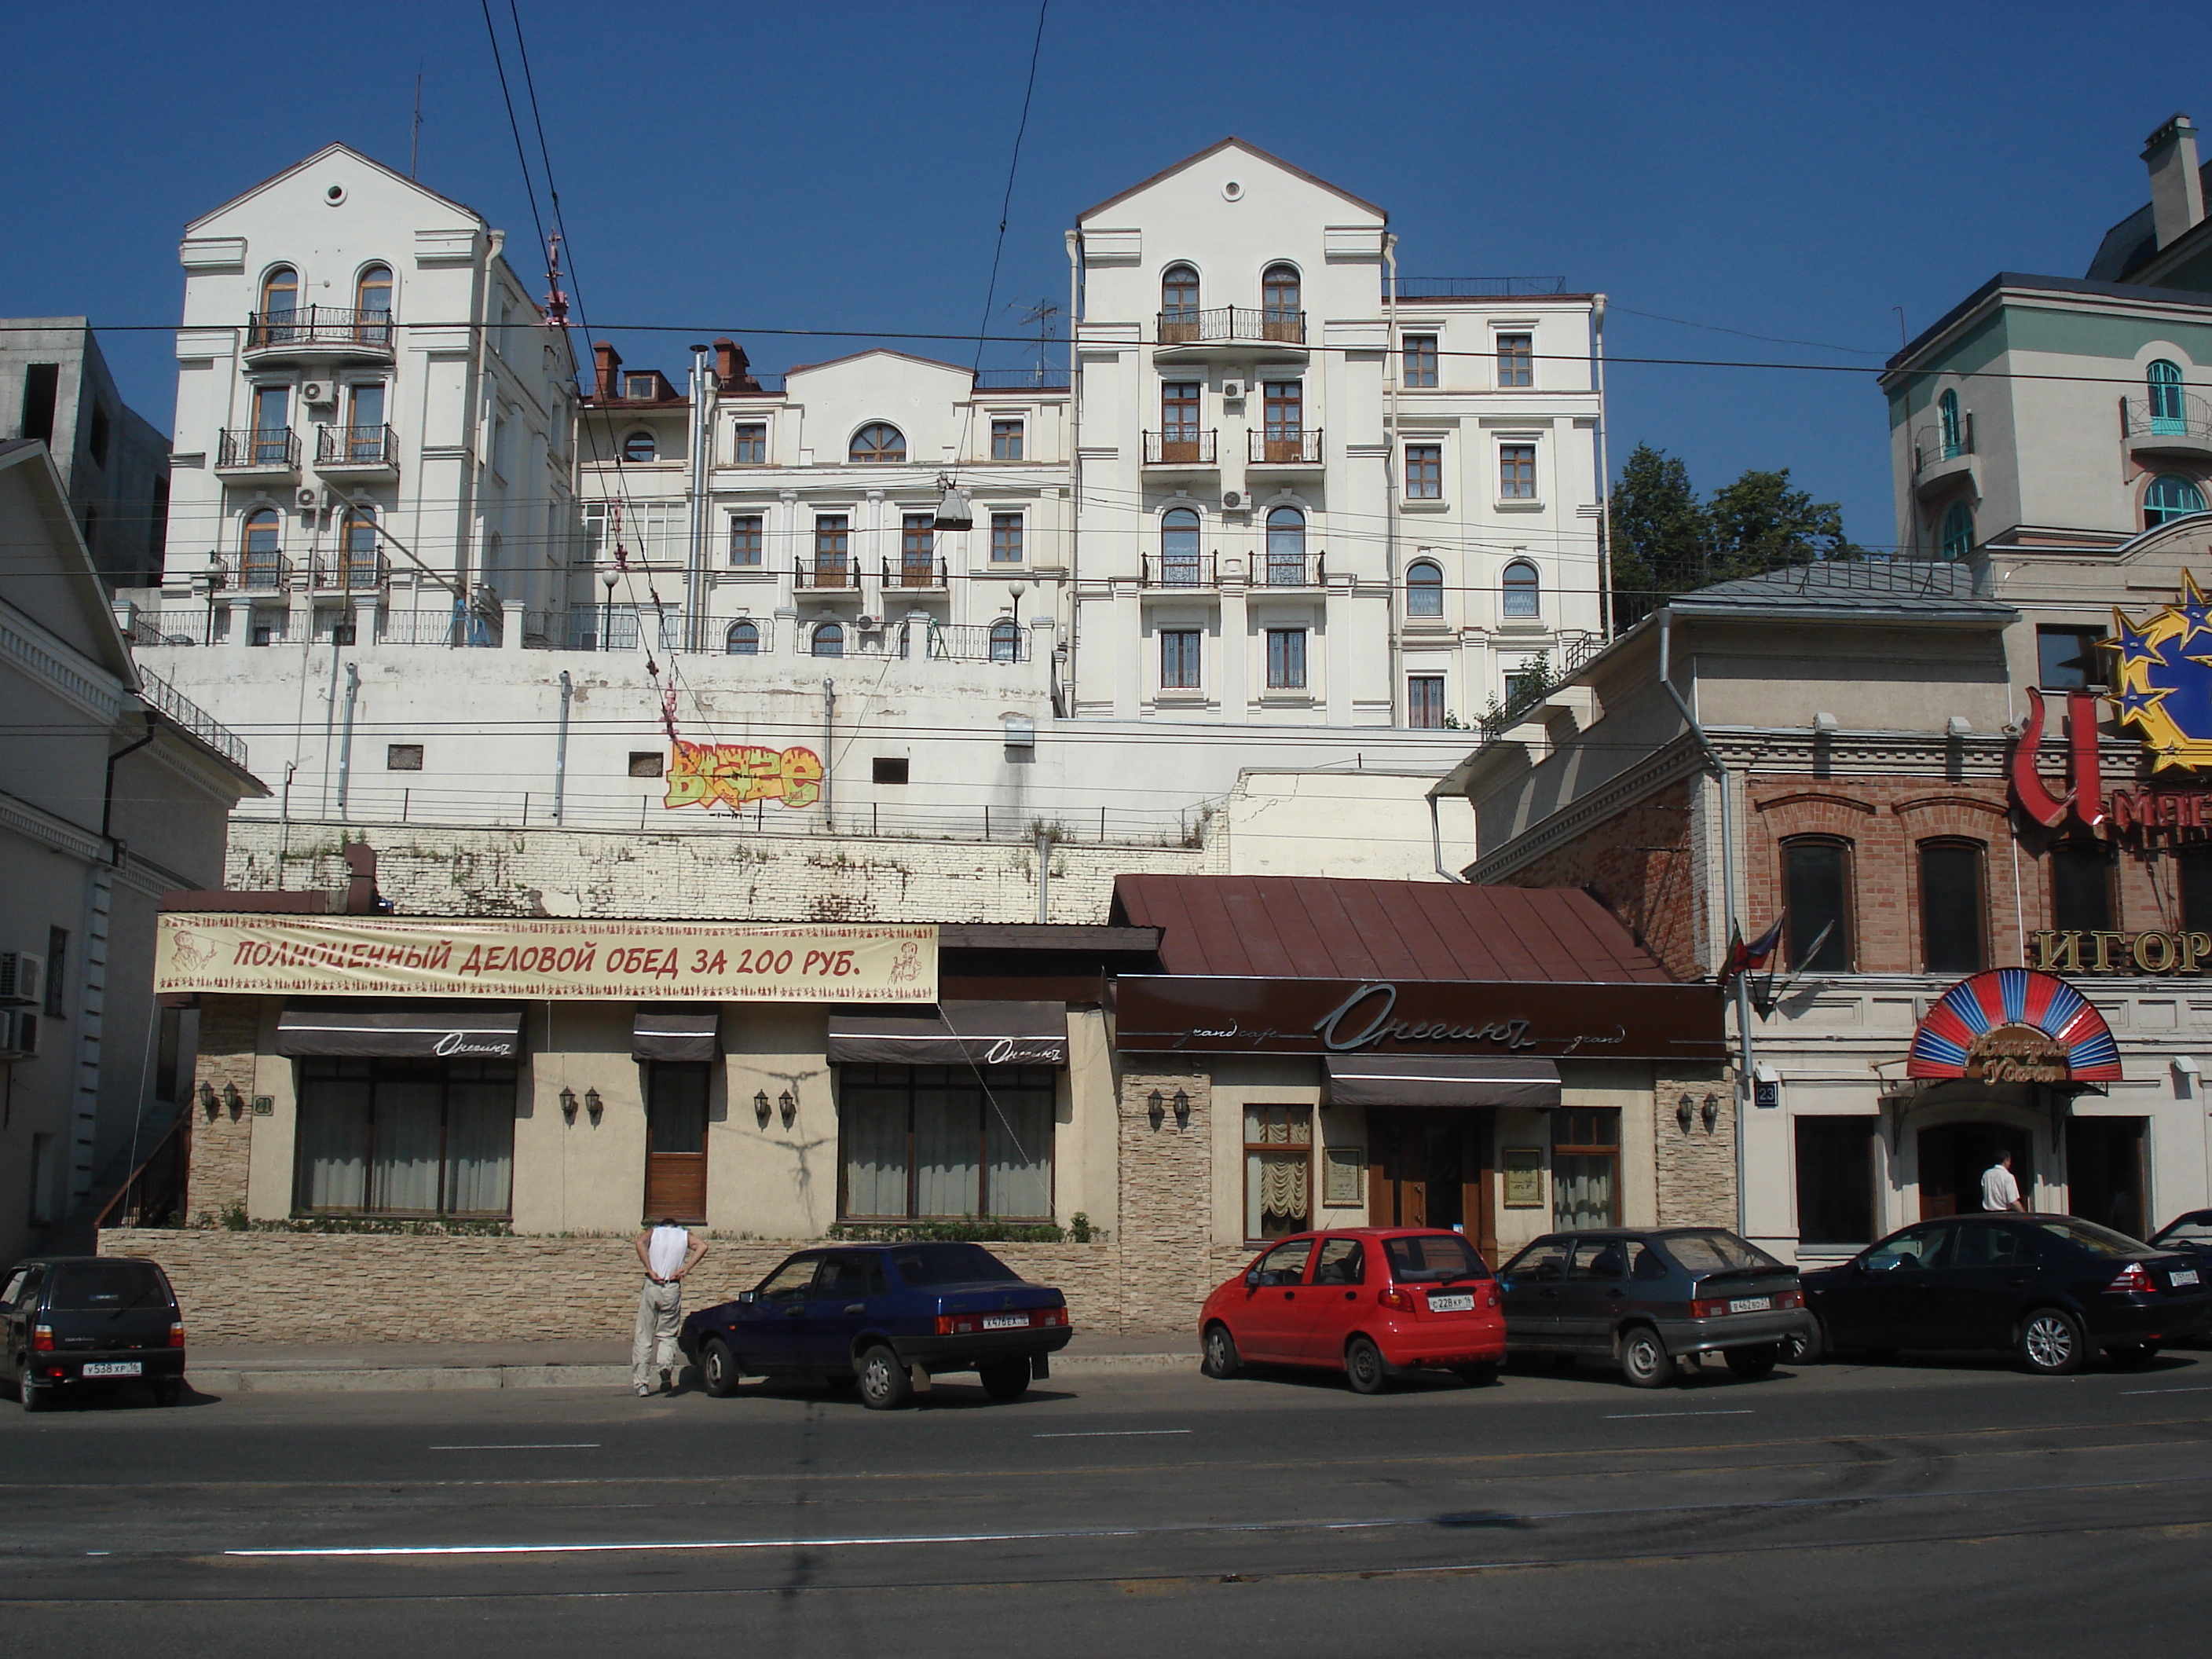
[(425, 956)]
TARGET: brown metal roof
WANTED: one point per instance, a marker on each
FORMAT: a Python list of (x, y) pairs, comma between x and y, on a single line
[(1323, 928)]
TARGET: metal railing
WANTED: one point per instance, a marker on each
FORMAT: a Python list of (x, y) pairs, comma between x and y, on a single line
[(1537, 681), (1003, 642), (1284, 449), (154, 1194), (2170, 414), (923, 574), (1194, 449), (1196, 570), (1289, 570), (352, 571), (1224, 324), (195, 626), (1478, 287), (255, 573), (166, 700), (1021, 379), (356, 446), (416, 627), (825, 573), (251, 446), (1933, 445), (319, 326)]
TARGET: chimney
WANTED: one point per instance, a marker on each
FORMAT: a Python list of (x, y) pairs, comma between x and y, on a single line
[(609, 359), (733, 371), (2177, 188)]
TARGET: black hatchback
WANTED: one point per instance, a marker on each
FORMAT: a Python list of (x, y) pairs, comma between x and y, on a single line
[(2053, 1288), (71, 1324)]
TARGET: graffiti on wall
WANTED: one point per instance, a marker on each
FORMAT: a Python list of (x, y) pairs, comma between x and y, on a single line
[(737, 775)]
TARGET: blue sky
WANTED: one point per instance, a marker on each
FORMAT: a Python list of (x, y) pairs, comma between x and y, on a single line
[(1792, 172)]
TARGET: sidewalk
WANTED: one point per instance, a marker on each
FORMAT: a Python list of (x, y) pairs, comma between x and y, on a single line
[(304, 1368)]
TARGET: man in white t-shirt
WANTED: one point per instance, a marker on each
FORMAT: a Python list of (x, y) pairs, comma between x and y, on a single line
[(666, 1252), (1999, 1190)]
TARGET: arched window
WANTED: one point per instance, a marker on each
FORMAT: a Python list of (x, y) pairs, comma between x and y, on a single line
[(1178, 304), (1524, 590), (1006, 640), (280, 292), (1280, 317), (372, 304), (261, 560), (1179, 547), (829, 639), (1424, 589), (640, 446), (1816, 896), (2170, 496), (357, 561), (1286, 547), (743, 640), (1958, 531), (1946, 410), (878, 444), (2164, 379)]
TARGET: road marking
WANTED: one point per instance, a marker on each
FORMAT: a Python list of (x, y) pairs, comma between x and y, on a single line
[(530, 1445), (2191, 1389), (1105, 1434), (1623, 1416)]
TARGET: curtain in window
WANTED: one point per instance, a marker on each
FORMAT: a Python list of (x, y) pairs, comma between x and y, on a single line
[(479, 1147), (1018, 1134), (405, 1173), (874, 1125), (1582, 1189), (944, 1152), (333, 1133)]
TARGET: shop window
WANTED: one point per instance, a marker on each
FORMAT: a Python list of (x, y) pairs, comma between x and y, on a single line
[(946, 1142), (1277, 1170), (676, 1093), (1585, 1169), (1954, 928), (1835, 1180), (404, 1138), (1816, 882), (2067, 659), (2080, 886)]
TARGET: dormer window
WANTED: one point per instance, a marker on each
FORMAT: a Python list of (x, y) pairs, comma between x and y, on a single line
[(642, 388)]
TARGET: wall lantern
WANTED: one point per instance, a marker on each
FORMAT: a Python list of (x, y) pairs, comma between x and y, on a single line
[(1181, 1110), (1711, 1112), (1156, 1108), (567, 1103), (594, 1105), (788, 1106), (759, 1107), (1685, 1109), (234, 1100), (208, 1101)]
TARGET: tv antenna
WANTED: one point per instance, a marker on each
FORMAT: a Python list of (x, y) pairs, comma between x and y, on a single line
[(1045, 315)]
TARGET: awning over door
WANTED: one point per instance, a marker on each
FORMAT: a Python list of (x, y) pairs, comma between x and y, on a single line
[(1443, 1080), (686, 1034), (953, 1034), (402, 1031)]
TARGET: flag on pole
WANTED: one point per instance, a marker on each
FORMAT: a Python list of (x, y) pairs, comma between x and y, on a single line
[(1742, 957)]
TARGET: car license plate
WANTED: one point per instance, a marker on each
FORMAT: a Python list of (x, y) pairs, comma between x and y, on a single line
[(113, 1367), (1006, 1322), (1750, 1304), (2185, 1276), (1452, 1303)]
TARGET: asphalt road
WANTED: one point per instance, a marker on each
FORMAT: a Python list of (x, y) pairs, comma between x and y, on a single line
[(1953, 1505)]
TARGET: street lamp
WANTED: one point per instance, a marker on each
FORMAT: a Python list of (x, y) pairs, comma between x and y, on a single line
[(607, 579)]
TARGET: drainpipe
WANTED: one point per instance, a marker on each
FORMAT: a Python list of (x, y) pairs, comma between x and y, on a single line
[(108, 794), (1392, 360), (1074, 464), (1044, 873), (695, 575), (828, 748), (561, 749), (345, 737), (1436, 840), (1744, 1081), (1605, 608)]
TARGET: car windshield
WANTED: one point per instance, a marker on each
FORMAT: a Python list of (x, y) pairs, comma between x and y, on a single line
[(1715, 1252), (2190, 1229), (1433, 1259), (105, 1286), (949, 1264), (2098, 1241)]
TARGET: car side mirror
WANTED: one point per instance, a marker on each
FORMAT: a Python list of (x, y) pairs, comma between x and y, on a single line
[(748, 1296), (1252, 1279)]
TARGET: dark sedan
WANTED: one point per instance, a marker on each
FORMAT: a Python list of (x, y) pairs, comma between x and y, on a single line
[(2053, 1288), (891, 1316), (69, 1324), (2191, 1234), (1648, 1300)]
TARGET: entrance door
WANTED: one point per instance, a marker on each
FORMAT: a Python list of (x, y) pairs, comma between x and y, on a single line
[(1430, 1168), (1953, 1158), (676, 1139), (2105, 1173)]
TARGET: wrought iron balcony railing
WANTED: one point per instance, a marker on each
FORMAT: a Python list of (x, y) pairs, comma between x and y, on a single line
[(1232, 325), (1284, 448), (242, 449), (356, 446), (1183, 447), (319, 326), (826, 572), (917, 573)]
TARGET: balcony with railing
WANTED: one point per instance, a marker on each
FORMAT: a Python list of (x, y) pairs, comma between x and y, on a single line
[(2169, 421), (173, 625), (357, 451), (1284, 449), (826, 573), (1182, 448), (999, 641), (1941, 451), (255, 572), (1289, 570), (258, 453), (319, 334), (349, 570), (1188, 332), (1184, 570), (175, 706), (919, 575)]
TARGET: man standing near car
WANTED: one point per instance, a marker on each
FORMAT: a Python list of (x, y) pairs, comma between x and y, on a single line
[(666, 1252), (1999, 1190)]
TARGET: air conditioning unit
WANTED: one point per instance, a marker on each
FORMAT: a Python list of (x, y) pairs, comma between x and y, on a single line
[(19, 1034), (1233, 499), (309, 499), (22, 976), (868, 623), (319, 391), (1232, 390)]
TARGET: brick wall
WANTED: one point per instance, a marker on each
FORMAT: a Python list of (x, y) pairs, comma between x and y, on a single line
[(221, 1146), (1640, 863)]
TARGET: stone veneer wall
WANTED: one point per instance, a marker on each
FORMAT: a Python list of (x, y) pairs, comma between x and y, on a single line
[(1697, 1170), (1167, 1195), (221, 1146)]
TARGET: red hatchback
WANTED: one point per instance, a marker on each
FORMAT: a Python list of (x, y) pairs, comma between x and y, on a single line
[(1374, 1302)]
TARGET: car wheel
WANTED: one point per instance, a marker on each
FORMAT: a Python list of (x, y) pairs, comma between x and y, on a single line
[(1005, 1379), (167, 1391), (1221, 1359), (34, 1398), (1364, 1367), (1644, 1360), (2133, 1353), (717, 1369), (885, 1385), (2050, 1342), (1478, 1376), (1753, 1362)]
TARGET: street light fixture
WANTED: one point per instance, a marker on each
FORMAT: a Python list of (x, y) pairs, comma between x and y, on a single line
[(607, 580)]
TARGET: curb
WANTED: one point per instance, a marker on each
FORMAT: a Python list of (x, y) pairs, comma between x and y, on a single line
[(392, 1379)]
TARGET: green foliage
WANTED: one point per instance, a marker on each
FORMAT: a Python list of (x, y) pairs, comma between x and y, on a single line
[(966, 1230), (233, 1217), (1079, 1228)]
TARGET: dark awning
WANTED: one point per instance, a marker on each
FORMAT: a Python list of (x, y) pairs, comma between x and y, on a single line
[(1441, 1080), (404, 1030), (953, 1034), (685, 1034)]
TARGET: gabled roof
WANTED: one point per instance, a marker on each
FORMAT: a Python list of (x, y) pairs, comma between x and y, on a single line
[(873, 351), (348, 151), (76, 604), (1251, 149)]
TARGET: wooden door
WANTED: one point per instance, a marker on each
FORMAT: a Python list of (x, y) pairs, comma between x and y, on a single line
[(1430, 1167), (676, 1140)]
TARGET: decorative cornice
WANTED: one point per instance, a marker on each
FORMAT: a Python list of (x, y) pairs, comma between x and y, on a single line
[(38, 824), (66, 671)]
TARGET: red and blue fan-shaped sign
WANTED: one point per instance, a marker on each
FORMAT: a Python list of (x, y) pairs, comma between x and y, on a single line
[(2014, 1024)]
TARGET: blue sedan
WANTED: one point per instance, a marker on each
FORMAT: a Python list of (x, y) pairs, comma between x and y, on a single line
[(891, 1316)]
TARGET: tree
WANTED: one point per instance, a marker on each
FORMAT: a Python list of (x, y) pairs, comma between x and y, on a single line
[(1759, 523), (1658, 529), (1665, 541)]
